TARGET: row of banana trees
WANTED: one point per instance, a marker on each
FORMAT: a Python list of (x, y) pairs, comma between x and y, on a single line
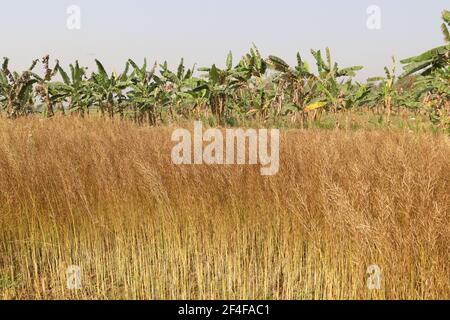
[(253, 88)]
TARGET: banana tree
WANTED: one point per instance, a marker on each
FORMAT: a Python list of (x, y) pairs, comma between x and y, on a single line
[(108, 89), (174, 89), (384, 91), (332, 91), (434, 59), (298, 80), (16, 90), (431, 72), (249, 83), (356, 95), (218, 86), (43, 85), (74, 90), (142, 92), (433, 94)]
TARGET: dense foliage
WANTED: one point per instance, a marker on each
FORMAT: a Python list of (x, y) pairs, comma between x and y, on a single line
[(253, 88)]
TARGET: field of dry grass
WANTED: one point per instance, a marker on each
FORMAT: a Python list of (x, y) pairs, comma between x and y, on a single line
[(105, 196)]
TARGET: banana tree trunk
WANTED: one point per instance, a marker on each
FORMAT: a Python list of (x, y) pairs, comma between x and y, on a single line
[(218, 106), (388, 103), (151, 117), (102, 109), (50, 111), (110, 109), (336, 119), (9, 107)]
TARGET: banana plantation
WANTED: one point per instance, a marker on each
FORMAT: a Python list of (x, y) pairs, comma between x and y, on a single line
[(254, 88)]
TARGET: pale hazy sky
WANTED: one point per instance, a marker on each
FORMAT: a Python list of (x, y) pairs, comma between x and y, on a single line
[(203, 31)]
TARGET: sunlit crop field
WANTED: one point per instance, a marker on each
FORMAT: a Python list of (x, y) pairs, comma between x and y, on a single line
[(103, 195)]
